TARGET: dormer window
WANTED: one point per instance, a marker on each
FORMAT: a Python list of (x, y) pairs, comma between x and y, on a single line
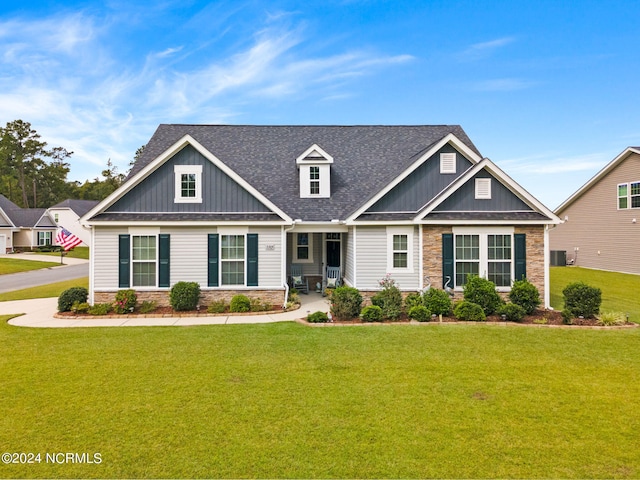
[(314, 166), (188, 183)]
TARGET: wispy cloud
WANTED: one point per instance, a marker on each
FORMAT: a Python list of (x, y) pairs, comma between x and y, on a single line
[(555, 164), (482, 50)]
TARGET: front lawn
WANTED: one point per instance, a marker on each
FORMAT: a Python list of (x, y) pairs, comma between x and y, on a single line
[(76, 252), (619, 290), (288, 401), (16, 265), (44, 291)]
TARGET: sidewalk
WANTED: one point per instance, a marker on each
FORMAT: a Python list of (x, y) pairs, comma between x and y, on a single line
[(46, 258), (40, 313)]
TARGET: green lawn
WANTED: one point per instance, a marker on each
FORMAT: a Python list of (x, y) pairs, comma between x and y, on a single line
[(44, 291), (15, 265), (619, 290), (77, 252), (288, 401)]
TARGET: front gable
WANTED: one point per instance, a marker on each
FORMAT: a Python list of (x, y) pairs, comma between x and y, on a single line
[(186, 182), (424, 183)]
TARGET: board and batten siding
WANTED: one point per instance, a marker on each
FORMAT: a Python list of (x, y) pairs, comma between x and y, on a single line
[(371, 260), (606, 237), (188, 256)]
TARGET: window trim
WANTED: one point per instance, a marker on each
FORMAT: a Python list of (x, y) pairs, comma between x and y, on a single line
[(628, 197), (132, 260), (222, 260), (483, 261), (44, 242), (445, 166), (391, 232), (180, 170), (296, 245), (314, 180)]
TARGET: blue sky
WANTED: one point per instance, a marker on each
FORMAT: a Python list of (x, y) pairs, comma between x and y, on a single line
[(548, 90)]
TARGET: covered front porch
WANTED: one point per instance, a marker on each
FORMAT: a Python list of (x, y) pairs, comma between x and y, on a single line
[(314, 248)]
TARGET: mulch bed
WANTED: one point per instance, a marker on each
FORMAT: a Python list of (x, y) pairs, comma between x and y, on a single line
[(167, 312), (539, 318)]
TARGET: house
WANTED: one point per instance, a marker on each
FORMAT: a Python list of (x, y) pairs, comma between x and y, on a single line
[(233, 207), (67, 214), (600, 226), (24, 228)]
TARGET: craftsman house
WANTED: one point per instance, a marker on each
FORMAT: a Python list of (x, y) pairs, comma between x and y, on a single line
[(601, 226), (234, 208)]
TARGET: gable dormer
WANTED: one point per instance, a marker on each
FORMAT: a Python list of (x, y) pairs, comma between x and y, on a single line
[(314, 167)]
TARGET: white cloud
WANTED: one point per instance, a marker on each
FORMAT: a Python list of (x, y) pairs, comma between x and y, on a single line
[(481, 50), (555, 164)]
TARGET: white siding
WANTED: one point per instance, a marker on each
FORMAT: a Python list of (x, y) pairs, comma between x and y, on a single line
[(349, 265), (371, 261), (105, 258), (269, 256), (68, 219), (188, 258)]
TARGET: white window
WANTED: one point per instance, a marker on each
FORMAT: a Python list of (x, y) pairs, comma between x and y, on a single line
[(629, 195), (232, 259), (303, 248), (188, 183), (447, 163), (314, 179), (56, 217), (400, 249), (44, 238), (487, 253), (483, 188), (144, 260)]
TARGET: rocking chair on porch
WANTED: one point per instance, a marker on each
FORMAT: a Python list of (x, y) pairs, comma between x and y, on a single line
[(297, 281), (333, 277)]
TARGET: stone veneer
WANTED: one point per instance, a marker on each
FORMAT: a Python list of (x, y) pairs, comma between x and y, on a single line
[(432, 254), (161, 297)]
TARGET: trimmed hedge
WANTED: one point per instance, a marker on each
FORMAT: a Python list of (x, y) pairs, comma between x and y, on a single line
[(71, 296), (469, 312), (184, 296), (482, 292)]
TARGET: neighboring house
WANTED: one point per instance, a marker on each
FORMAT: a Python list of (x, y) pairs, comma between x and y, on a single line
[(24, 228), (601, 226), (233, 207), (67, 214)]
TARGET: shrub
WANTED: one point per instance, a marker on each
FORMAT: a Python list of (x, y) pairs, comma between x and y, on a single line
[(525, 294), (148, 306), (100, 309), (239, 304), (371, 313), (437, 301), (125, 301), (420, 313), (219, 306), (469, 311), (78, 307), (294, 296), (258, 305), (412, 300), (346, 303), (184, 296), (389, 299), (512, 312), (582, 300), (482, 292), (70, 296), (612, 318), (318, 317)]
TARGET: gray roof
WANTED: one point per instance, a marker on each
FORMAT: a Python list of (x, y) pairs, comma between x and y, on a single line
[(366, 159), (25, 217), (80, 207)]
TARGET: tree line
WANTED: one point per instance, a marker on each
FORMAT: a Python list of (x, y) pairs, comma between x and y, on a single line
[(33, 175)]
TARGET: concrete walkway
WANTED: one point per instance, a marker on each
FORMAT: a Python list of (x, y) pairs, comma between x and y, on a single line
[(46, 258), (40, 313)]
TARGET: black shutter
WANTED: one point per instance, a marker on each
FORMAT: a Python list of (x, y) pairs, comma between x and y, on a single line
[(520, 252), (447, 260), (163, 255), (212, 264), (124, 254), (252, 259)]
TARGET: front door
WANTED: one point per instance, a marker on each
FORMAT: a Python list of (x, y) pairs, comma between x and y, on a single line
[(333, 249)]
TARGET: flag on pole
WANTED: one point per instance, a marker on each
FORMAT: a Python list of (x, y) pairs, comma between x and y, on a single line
[(66, 239)]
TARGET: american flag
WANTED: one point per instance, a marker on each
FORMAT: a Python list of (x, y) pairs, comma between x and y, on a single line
[(66, 239)]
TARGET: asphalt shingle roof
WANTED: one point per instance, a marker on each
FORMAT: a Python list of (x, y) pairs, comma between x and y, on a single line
[(24, 217), (80, 207), (366, 159)]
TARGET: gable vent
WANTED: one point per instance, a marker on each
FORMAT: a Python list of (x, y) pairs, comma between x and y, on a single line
[(483, 188), (447, 163)]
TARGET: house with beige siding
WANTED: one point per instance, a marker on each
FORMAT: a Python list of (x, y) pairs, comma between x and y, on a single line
[(601, 221), (234, 207), (24, 228)]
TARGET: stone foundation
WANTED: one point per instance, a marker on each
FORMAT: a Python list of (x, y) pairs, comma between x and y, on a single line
[(161, 297)]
